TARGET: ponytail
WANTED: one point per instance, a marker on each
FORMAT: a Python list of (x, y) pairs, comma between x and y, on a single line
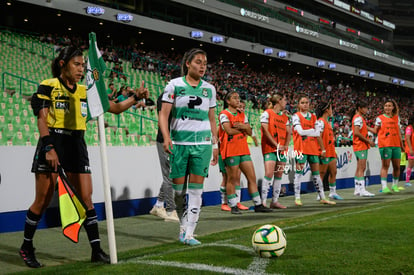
[(66, 55)]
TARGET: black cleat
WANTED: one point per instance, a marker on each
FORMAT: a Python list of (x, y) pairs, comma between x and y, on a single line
[(100, 257), (262, 208), (235, 210), (29, 258)]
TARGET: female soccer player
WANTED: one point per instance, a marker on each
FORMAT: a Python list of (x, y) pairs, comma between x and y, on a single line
[(193, 130), (276, 134), (360, 144), (387, 127), (308, 144), (61, 109), (236, 154), (327, 163), (409, 143)]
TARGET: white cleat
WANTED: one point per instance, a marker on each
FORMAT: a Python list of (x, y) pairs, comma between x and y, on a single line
[(365, 193)]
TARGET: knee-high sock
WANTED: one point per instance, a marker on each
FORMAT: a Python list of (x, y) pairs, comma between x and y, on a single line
[(30, 226), (317, 183), (181, 203), (332, 187), (256, 198), (238, 193), (408, 174), (91, 227), (297, 182), (277, 185), (265, 188), (232, 200), (194, 204), (384, 182), (223, 194)]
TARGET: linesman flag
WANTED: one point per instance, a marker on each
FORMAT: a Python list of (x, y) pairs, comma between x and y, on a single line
[(72, 208), (98, 102)]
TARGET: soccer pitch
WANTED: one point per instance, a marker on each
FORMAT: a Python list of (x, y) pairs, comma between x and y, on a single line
[(356, 236)]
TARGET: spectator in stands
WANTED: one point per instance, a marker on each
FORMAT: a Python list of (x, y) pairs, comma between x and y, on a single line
[(111, 91), (62, 127)]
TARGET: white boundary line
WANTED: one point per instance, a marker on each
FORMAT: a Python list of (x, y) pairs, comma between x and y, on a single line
[(258, 265)]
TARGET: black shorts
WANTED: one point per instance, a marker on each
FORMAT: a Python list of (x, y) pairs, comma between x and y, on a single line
[(71, 149)]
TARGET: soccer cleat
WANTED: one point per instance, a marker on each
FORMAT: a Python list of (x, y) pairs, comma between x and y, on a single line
[(100, 256), (407, 184), (335, 196), (385, 190), (29, 258), (395, 188), (192, 242), (181, 237), (235, 210), (277, 205), (242, 207), (325, 201), (171, 216), (365, 193), (262, 209), (159, 212), (298, 202), (225, 207)]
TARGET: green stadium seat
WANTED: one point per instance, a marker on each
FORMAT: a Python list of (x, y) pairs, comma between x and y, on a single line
[(3, 139), (132, 140), (34, 137), (144, 141), (18, 139)]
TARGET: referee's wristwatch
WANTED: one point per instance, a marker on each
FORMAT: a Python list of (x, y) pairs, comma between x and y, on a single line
[(47, 148)]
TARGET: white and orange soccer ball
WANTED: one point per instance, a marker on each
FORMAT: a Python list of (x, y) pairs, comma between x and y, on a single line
[(269, 241)]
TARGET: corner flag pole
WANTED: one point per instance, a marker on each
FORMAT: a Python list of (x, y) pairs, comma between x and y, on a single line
[(107, 191), (98, 104)]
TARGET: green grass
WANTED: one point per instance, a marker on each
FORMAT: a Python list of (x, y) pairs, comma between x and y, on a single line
[(367, 239)]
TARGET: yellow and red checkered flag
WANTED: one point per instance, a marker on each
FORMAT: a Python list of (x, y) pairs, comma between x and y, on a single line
[(72, 208)]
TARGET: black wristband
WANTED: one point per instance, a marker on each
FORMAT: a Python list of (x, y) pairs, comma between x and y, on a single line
[(136, 98), (47, 140)]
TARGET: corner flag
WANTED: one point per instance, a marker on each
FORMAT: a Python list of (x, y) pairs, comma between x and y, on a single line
[(72, 209), (98, 102)]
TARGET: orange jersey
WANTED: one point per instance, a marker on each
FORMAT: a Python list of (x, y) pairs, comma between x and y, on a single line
[(388, 135), (328, 139), (304, 144), (277, 129), (357, 143), (409, 132), (233, 145)]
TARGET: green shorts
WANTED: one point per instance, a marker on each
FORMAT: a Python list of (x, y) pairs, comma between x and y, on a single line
[(390, 152), (363, 154), (326, 160), (275, 157), (310, 158), (190, 159), (236, 160), (222, 166)]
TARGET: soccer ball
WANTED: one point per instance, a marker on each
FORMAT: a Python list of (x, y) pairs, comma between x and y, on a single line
[(269, 241)]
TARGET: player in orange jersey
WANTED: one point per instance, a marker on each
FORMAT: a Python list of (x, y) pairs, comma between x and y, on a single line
[(236, 154), (361, 143), (409, 150), (387, 127), (276, 134), (327, 163), (308, 146)]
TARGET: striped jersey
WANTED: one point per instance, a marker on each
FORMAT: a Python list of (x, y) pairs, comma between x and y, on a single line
[(190, 124)]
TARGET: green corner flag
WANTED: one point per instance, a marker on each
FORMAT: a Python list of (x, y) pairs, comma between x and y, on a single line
[(98, 102)]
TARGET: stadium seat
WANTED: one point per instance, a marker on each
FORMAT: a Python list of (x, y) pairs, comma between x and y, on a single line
[(144, 141), (18, 139), (132, 140)]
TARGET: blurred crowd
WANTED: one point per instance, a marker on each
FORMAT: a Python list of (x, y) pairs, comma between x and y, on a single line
[(257, 86)]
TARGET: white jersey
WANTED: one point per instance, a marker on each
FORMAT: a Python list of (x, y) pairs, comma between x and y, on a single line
[(190, 124)]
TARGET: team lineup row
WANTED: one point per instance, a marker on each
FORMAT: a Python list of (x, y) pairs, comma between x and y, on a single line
[(187, 124)]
